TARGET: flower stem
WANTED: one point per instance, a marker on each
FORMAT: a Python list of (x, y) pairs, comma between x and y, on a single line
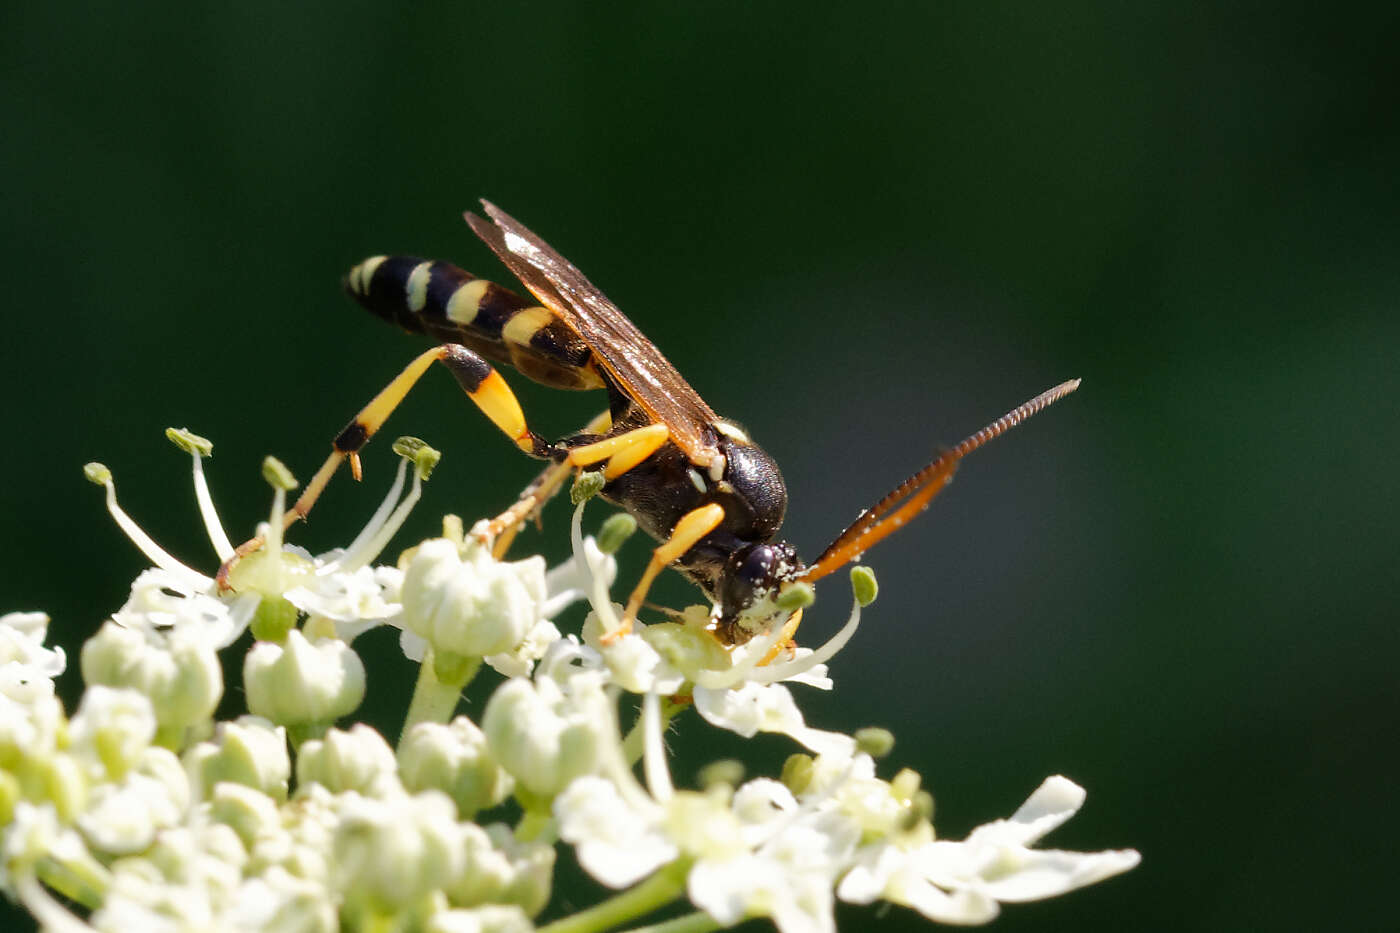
[(435, 699), (698, 922), (658, 890)]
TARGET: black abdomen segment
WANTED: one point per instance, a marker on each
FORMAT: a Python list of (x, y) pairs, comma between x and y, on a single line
[(453, 306)]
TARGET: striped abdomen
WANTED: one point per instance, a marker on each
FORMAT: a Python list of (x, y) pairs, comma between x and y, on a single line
[(453, 306)]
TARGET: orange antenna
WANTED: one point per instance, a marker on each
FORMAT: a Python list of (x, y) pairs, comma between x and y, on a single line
[(913, 495)]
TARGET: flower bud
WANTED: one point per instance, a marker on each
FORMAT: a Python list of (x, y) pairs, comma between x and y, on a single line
[(543, 737), (177, 671), (248, 812), (472, 606), (502, 870), (112, 728), (124, 818), (61, 780), (303, 683), (249, 751), (358, 760), (455, 759), (392, 852)]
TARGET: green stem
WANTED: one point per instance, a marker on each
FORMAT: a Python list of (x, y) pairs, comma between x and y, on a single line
[(435, 698), (635, 742), (698, 922), (657, 891)]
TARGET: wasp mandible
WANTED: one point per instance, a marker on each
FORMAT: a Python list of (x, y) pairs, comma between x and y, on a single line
[(694, 481)]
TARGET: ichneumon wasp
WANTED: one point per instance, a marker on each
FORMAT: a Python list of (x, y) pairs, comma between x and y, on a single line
[(693, 481)]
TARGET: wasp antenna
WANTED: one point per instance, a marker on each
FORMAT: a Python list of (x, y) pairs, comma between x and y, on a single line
[(913, 495)]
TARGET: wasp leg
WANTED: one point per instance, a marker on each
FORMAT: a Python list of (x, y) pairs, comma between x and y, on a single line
[(533, 498), (693, 526), (785, 640), (478, 378), (622, 452)]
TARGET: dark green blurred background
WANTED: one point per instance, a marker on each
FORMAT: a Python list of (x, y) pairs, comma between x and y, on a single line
[(862, 233)]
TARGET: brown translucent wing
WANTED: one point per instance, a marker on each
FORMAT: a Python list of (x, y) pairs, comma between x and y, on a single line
[(629, 357)]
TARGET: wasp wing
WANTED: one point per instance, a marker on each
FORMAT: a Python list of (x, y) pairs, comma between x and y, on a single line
[(633, 361)]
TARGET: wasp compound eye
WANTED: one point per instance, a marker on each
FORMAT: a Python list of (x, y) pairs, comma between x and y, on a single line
[(754, 572)]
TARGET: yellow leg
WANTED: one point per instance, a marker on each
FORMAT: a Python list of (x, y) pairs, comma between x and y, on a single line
[(532, 500), (693, 526), (784, 641), (478, 378), (622, 452)]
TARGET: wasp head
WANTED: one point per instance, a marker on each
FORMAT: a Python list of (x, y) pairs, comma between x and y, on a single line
[(748, 585)]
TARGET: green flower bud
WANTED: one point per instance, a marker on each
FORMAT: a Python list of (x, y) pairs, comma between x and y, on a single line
[(615, 532), (112, 728), (455, 759), (358, 760), (277, 474), (874, 741), (392, 852), (586, 486), (543, 738), (303, 683), (10, 794), (245, 810), (249, 751), (502, 870), (727, 772), (798, 771), (62, 780), (177, 672), (190, 442), (473, 605), (863, 585)]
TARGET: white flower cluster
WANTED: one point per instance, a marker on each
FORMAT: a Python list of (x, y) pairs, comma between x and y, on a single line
[(145, 813)]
